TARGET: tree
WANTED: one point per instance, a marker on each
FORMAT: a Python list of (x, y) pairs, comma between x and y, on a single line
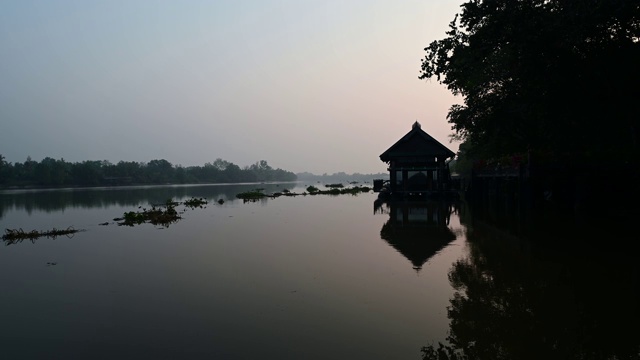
[(27, 171), (221, 164), (5, 170), (130, 169), (262, 171), (547, 75), (160, 171), (232, 173), (87, 173)]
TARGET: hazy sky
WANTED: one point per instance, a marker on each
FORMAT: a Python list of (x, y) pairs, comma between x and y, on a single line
[(317, 85)]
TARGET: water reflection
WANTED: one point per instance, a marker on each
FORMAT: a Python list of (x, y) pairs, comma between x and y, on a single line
[(541, 298), (60, 199), (416, 229)]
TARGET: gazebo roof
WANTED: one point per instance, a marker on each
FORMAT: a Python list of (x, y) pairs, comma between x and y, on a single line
[(416, 143)]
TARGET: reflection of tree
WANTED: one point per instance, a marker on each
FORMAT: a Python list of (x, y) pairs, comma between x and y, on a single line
[(514, 303), (417, 230), (56, 200)]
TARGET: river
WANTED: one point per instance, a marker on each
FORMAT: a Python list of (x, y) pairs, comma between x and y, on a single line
[(299, 277)]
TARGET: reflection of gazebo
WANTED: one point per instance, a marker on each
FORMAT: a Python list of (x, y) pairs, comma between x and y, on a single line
[(417, 165), (417, 230)]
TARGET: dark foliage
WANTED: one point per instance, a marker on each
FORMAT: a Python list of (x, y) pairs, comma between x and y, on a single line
[(555, 77)]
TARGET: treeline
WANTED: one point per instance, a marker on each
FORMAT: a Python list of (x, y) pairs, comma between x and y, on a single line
[(340, 177), (55, 173)]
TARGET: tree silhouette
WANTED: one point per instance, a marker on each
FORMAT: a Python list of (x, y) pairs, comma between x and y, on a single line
[(553, 76)]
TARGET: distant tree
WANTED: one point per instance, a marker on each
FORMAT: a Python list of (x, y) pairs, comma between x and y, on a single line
[(51, 172), (159, 171), (87, 173), (208, 173), (340, 177), (221, 164), (131, 169), (548, 75), (262, 171), (4, 170), (28, 171), (232, 173)]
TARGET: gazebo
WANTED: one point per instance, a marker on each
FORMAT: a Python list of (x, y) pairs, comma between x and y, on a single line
[(417, 165)]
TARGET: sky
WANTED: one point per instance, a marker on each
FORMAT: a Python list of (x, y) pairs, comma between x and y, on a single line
[(309, 85)]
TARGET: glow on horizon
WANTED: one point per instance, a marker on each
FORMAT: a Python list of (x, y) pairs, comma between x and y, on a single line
[(319, 86)]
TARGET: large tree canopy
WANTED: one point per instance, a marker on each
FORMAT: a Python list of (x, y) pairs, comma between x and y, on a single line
[(560, 76)]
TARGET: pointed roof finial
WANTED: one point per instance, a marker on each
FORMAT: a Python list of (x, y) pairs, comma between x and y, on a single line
[(416, 125)]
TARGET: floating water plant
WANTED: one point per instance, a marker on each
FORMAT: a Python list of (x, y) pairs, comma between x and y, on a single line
[(252, 195), (164, 215), (255, 195), (13, 236), (195, 202), (155, 215), (336, 190), (355, 190)]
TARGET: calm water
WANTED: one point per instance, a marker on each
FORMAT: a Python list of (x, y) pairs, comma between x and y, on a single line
[(307, 277)]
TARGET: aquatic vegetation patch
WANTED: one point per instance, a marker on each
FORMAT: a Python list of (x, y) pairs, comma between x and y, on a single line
[(163, 215), (155, 215), (255, 195), (355, 190), (13, 236), (195, 202), (258, 194), (335, 186)]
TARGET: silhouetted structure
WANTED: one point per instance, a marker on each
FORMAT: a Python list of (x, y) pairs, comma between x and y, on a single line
[(417, 166), (416, 229)]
